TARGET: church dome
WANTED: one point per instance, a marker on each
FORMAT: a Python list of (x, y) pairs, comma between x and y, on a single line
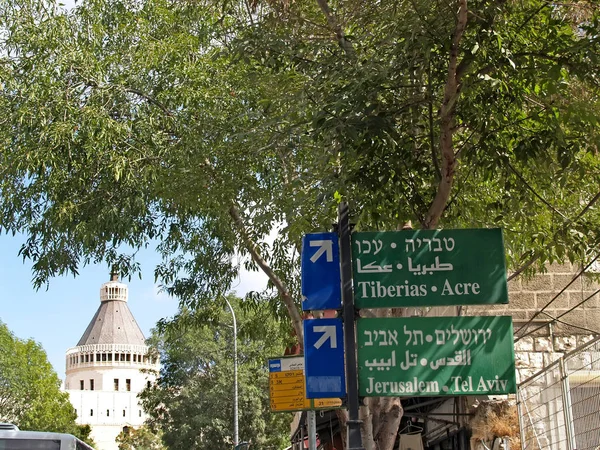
[(107, 369), (113, 322)]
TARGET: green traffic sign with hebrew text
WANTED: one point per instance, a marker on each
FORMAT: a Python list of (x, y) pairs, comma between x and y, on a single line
[(429, 268), (435, 356)]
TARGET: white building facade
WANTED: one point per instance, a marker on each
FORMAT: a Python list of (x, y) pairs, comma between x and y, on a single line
[(109, 367)]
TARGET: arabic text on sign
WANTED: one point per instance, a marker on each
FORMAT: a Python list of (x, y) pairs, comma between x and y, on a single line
[(289, 374), (428, 268), (435, 355), (284, 388), (297, 404), (280, 377), (415, 269), (460, 358), (286, 382), (327, 402)]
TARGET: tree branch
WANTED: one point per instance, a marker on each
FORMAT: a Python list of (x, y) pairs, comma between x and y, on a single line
[(434, 157), (150, 99), (252, 248), (533, 191), (266, 268), (336, 28), (447, 122)]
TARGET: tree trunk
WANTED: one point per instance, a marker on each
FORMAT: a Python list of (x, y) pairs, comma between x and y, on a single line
[(381, 416), (385, 413), (286, 297), (390, 415), (342, 416), (365, 414)]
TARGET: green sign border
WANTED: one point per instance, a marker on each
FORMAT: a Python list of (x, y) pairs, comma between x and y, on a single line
[(435, 356), (429, 268)]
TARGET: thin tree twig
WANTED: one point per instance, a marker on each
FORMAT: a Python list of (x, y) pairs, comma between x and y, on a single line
[(533, 191), (537, 255), (266, 268), (336, 28), (150, 99)]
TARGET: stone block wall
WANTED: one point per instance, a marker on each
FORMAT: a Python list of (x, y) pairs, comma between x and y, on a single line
[(532, 354), (527, 296), (549, 341), (545, 341)]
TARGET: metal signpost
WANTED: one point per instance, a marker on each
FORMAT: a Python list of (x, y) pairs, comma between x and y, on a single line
[(320, 277), (324, 358), (353, 431), (330, 365), (429, 268), (430, 356), (436, 356)]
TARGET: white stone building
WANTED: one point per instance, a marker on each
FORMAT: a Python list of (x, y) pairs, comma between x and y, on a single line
[(109, 367)]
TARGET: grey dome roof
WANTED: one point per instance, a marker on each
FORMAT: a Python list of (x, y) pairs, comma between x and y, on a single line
[(113, 322)]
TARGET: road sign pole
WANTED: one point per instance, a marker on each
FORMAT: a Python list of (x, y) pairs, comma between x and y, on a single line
[(354, 438), (311, 417)]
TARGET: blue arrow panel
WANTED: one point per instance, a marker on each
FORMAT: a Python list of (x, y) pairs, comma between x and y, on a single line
[(324, 358), (320, 278)]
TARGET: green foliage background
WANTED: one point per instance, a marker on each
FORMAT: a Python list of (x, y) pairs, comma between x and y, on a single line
[(141, 438), (30, 395), (191, 406), (128, 122)]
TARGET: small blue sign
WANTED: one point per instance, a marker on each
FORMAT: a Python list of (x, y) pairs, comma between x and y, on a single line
[(324, 358), (321, 287), (274, 365)]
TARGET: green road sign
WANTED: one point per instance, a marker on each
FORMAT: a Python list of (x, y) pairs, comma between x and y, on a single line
[(435, 356), (429, 268)]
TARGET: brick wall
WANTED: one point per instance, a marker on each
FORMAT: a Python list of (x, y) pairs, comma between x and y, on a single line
[(551, 340), (532, 354), (527, 296)]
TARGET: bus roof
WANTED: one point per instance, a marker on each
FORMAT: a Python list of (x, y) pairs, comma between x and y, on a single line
[(10, 431)]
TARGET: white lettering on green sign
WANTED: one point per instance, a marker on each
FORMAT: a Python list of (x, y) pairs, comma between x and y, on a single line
[(465, 384), (413, 386), (428, 268), (376, 289), (421, 356)]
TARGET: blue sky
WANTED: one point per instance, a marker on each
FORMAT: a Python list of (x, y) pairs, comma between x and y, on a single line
[(57, 317)]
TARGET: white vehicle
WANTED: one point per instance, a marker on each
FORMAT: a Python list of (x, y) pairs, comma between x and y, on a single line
[(11, 438)]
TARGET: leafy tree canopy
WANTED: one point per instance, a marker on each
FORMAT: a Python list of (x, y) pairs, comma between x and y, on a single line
[(192, 403), (128, 121), (204, 126), (139, 439), (30, 395)]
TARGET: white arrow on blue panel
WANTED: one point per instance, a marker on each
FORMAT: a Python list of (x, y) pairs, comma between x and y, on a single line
[(324, 358), (325, 246), (320, 278), (328, 333)]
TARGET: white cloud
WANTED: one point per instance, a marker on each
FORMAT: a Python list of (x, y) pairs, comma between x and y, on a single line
[(250, 281), (160, 296), (255, 281)]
